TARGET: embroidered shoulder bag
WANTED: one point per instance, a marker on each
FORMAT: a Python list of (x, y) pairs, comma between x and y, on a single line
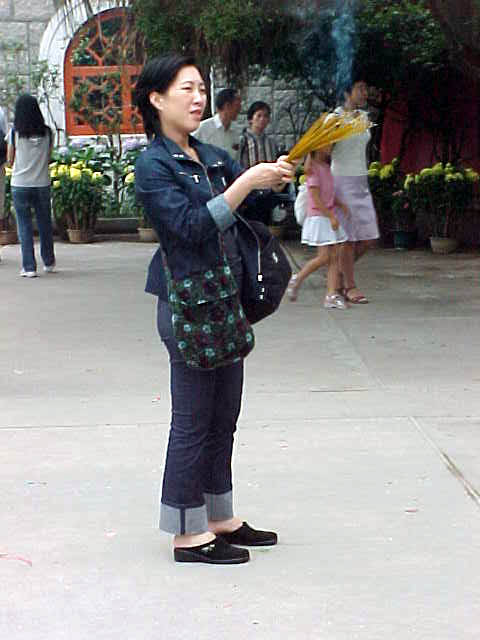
[(209, 323)]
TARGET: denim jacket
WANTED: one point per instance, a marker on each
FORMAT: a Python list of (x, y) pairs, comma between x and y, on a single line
[(184, 202)]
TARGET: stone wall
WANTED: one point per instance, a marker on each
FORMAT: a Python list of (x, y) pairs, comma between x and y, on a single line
[(282, 99), (22, 24)]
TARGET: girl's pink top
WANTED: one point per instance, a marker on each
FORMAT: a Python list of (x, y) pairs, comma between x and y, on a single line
[(321, 177)]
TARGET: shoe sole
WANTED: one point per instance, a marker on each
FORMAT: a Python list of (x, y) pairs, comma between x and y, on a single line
[(266, 543), (182, 555)]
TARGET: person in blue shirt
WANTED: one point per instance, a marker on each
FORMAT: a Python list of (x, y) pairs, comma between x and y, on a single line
[(190, 192)]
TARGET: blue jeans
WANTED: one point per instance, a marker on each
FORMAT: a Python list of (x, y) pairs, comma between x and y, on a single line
[(26, 199), (197, 481)]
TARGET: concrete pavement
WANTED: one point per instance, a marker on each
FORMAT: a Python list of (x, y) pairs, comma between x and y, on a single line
[(359, 441)]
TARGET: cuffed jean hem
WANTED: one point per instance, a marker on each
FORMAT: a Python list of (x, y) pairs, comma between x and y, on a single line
[(219, 506), (180, 521), (190, 520)]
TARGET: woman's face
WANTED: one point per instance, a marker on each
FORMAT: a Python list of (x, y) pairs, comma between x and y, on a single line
[(259, 121), (182, 105), (359, 95)]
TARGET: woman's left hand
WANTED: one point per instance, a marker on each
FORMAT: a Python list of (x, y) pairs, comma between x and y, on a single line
[(287, 170)]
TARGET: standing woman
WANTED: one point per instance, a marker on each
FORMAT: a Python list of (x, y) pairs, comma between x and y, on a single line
[(29, 150), (257, 146), (190, 192), (350, 172)]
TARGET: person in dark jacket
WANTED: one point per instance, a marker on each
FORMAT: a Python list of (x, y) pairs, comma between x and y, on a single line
[(190, 192)]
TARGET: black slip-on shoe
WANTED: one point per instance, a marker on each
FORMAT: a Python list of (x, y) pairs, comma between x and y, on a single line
[(249, 537), (218, 551)]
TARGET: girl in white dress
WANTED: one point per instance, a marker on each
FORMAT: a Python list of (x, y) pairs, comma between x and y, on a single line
[(321, 228)]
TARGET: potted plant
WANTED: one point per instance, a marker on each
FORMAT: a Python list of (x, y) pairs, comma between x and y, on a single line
[(384, 179), (77, 197), (404, 221), (145, 231), (8, 233), (443, 194)]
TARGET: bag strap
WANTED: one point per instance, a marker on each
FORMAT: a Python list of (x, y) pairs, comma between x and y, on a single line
[(168, 272)]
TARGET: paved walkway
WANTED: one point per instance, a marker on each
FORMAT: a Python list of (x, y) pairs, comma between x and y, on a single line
[(359, 442)]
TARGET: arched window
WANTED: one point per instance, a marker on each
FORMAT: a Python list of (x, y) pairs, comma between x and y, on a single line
[(102, 64)]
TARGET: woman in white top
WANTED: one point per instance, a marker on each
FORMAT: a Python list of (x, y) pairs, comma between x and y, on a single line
[(350, 173), (29, 149)]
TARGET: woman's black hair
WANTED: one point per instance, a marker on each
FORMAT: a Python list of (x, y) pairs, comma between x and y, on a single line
[(348, 86), (258, 105), (28, 119), (157, 75)]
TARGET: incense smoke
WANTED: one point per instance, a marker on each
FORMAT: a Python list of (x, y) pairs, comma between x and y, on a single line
[(343, 31)]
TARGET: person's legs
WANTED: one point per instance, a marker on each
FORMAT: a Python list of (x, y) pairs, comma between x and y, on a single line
[(334, 300), (320, 260), (361, 248), (2, 190), (217, 480), (200, 441), (43, 212), (22, 203), (347, 261), (333, 269)]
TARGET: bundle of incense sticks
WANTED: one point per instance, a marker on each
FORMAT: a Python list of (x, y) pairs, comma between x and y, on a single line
[(327, 130)]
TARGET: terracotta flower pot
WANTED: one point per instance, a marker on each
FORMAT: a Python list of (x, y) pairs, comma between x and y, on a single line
[(78, 236), (443, 245), (145, 234), (8, 237)]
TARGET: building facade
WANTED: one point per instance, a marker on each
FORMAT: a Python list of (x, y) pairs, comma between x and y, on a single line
[(41, 36)]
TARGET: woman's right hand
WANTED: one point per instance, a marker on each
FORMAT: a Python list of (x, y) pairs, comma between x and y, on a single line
[(264, 175)]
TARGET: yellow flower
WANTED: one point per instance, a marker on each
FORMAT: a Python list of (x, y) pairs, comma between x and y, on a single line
[(408, 181), (78, 165), (437, 169), (386, 171), (53, 172), (128, 169), (75, 174), (471, 175), (372, 173), (426, 172), (62, 170), (8, 171), (57, 184), (130, 178), (52, 165), (375, 165), (97, 176)]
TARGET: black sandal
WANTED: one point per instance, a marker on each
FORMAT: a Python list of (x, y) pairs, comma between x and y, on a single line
[(249, 537), (217, 551)]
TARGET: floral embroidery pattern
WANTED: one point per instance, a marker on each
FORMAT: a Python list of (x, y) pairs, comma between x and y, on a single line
[(208, 321)]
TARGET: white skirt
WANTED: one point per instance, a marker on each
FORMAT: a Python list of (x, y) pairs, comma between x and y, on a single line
[(317, 231)]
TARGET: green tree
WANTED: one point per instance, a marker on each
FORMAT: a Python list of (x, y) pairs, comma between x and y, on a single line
[(229, 35), (402, 51)]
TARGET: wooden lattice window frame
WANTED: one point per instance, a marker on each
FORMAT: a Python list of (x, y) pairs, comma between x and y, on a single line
[(88, 66)]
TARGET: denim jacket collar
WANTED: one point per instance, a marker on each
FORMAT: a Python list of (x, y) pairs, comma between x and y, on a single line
[(207, 158)]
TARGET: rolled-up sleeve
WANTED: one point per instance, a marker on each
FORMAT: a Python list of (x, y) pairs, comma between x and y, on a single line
[(221, 212)]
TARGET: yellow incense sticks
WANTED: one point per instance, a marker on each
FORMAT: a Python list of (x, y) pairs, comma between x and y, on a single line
[(328, 129)]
